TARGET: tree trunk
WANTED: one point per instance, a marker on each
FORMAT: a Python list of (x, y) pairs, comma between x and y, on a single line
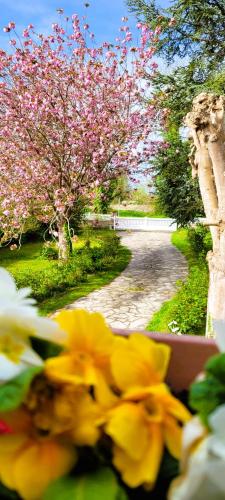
[(64, 241), (206, 122)]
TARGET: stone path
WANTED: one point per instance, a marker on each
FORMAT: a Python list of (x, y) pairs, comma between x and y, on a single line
[(149, 280)]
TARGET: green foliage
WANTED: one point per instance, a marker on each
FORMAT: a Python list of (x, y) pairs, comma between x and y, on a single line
[(101, 484), (55, 284), (6, 494), (33, 230), (104, 197), (194, 30), (77, 216), (137, 213), (140, 196), (188, 307), (13, 393), (206, 395), (177, 193), (200, 239), (189, 28), (89, 283), (49, 251), (175, 91), (191, 308), (44, 348)]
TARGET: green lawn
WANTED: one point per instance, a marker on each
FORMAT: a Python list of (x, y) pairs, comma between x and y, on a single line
[(135, 213), (26, 262), (195, 293), (28, 256)]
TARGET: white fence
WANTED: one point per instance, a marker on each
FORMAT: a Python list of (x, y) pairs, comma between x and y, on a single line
[(144, 224), (133, 223)]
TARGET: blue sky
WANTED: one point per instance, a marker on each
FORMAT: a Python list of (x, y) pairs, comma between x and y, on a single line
[(104, 16)]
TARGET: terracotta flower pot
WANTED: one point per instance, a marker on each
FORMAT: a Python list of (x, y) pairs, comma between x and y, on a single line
[(188, 356)]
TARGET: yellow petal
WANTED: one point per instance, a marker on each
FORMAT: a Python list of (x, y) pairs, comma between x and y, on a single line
[(40, 463), (86, 331), (176, 408), (128, 429), (87, 420), (104, 394), (144, 471), (9, 446), (173, 436), (68, 369), (157, 354), (139, 362), (140, 393)]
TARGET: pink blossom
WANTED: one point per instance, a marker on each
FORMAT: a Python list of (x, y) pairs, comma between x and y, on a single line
[(158, 30), (172, 22), (72, 120), (26, 33), (11, 25)]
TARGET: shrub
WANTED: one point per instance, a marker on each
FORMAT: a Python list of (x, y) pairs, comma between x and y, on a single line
[(191, 305), (200, 239), (84, 261), (49, 251), (57, 277), (105, 263)]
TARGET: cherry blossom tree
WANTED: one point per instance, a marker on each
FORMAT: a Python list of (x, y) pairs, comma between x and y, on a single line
[(73, 117)]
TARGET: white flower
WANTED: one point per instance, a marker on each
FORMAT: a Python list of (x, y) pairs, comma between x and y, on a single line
[(18, 321), (174, 328), (203, 453), (203, 468)]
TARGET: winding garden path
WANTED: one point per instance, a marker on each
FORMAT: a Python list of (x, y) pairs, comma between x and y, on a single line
[(149, 280)]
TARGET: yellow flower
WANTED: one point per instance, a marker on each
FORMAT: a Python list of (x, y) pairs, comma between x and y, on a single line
[(64, 409), (146, 417), (140, 426), (70, 410), (139, 362), (88, 349), (28, 461)]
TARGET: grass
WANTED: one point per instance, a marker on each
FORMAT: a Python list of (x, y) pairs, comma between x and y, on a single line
[(27, 258), (27, 255), (135, 213), (165, 315)]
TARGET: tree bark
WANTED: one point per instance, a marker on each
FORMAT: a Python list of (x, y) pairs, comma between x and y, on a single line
[(64, 241), (206, 123)]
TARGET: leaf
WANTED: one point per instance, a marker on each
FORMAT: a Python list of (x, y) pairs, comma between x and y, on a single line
[(45, 348), (169, 468), (206, 396), (6, 494), (13, 393), (216, 367), (99, 485)]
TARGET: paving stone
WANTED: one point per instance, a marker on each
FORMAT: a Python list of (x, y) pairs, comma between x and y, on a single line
[(149, 279)]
